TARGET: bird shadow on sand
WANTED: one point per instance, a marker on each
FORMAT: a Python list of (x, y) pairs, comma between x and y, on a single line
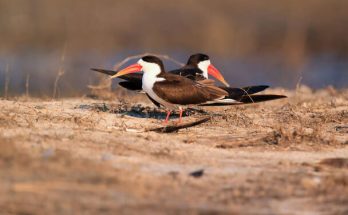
[(139, 111)]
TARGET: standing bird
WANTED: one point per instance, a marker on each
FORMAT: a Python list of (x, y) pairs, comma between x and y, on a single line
[(170, 90), (198, 68)]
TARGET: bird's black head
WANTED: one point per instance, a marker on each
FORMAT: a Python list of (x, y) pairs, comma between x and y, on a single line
[(153, 59), (195, 59)]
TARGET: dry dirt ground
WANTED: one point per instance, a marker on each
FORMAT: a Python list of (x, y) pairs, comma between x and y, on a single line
[(89, 156)]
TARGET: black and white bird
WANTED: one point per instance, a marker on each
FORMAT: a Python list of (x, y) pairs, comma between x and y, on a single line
[(170, 90), (198, 68), (174, 91)]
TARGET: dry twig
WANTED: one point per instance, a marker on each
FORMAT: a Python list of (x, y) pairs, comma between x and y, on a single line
[(166, 57), (298, 85), (60, 73), (177, 127), (27, 85), (7, 80)]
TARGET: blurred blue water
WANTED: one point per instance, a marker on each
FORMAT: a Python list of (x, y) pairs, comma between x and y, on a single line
[(42, 66)]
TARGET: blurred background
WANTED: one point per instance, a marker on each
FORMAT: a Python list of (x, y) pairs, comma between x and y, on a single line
[(274, 42)]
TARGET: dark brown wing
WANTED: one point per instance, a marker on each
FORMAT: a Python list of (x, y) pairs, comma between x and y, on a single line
[(131, 85), (209, 82), (183, 91)]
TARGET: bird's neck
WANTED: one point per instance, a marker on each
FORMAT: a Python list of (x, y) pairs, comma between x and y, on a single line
[(204, 70), (150, 78)]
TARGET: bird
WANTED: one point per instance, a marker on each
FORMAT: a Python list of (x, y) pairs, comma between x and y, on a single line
[(170, 90), (198, 68)]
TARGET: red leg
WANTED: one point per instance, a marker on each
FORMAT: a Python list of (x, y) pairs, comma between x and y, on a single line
[(180, 118), (167, 118)]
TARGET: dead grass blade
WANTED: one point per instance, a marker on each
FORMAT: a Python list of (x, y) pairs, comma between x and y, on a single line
[(7, 80), (60, 73)]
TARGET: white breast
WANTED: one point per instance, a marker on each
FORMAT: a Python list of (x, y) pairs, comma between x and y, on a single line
[(149, 79)]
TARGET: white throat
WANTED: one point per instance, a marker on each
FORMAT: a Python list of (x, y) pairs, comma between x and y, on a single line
[(203, 65), (151, 70)]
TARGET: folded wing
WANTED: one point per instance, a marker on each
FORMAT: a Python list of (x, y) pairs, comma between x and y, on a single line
[(179, 90)]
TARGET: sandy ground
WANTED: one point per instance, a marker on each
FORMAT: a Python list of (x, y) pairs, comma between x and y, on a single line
[(91, 156)]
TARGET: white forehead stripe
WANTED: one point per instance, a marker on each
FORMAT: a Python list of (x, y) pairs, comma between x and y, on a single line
[(150, 67), (140, 61)]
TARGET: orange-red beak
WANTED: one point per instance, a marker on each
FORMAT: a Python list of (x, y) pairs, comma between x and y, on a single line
[(216, 74), (131, 69)]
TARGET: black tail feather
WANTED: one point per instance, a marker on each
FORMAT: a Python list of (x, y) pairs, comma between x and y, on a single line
[(255, 89), (238, 93), (260, 98)]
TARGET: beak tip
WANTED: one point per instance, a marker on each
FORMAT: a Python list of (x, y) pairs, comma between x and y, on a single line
[(225, 83)]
